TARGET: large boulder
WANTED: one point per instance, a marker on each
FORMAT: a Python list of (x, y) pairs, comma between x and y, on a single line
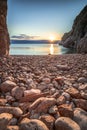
[(42, 104), (16, 111), (33, 124), (65, 123), (4, 36), (7, 86), (80, 116)]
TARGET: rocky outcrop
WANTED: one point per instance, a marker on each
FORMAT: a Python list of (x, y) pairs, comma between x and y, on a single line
[(82, 46), (77, 37), (4, 36)]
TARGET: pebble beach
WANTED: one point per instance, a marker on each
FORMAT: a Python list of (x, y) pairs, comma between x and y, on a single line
[(43, 92)]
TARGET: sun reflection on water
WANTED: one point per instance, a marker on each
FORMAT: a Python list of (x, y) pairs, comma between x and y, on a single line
[(51, 49)]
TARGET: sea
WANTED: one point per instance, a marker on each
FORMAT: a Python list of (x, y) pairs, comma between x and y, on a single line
[(37, 48)]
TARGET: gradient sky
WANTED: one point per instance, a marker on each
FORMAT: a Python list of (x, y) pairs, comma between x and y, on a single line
[(38, 19)]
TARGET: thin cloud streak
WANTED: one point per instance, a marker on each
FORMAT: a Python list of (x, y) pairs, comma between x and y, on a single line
[(24, 37)]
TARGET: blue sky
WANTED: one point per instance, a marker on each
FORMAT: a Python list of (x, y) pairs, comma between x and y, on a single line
[(40, 19)]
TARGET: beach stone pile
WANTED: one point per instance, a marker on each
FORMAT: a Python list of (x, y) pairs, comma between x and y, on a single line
[(43, 92)]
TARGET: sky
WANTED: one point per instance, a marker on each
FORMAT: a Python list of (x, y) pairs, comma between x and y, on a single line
[(41, 19)]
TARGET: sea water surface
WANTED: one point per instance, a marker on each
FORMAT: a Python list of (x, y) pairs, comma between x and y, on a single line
[(38, 49)]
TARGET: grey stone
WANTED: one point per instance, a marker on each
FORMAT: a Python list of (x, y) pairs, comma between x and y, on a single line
[(65, 123), (80, 116)]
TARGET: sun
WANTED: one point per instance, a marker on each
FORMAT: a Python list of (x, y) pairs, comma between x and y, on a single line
[(51, 38)]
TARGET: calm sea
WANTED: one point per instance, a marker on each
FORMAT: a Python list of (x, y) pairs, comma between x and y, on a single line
[(37, 49)]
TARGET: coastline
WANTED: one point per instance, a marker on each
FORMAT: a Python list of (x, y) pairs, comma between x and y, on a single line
[(44, 87)]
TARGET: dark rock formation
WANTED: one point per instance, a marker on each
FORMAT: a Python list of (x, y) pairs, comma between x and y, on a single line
[(77, 37), (82, 46), (4, 36)]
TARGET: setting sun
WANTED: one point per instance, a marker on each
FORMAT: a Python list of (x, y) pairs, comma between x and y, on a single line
[(52, 38)]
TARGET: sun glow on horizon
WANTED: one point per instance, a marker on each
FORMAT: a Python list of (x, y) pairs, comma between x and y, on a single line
[(52, 38)]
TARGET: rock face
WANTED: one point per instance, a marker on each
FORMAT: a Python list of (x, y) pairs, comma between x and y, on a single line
[(4, 36), (82, 47), (77, 37)]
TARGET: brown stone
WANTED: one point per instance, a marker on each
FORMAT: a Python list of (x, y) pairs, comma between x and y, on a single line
[(10, 99), (60, 80), (33, 97), (33, 124), (63, 67), (61, 100), (17, 112), (48, 120), (4, 120), (17, 92), (65, 110), (4, 36), (24, 106), (65, 123), (80, 117), (3, 102), (83, 87), (31, 91), (42, 104), (84, 95), (46, 80), (7, 86), (81, 103), (12, 128), (73, 92), (53, 110)]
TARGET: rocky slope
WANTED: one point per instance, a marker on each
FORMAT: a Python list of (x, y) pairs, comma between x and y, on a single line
[(43, 92), (77, 37), (4, 36)]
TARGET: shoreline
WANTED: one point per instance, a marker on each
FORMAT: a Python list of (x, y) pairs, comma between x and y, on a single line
[(43, 90)]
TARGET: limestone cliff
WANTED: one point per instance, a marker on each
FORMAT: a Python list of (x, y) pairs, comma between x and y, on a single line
[(77, 37), (4, 36)]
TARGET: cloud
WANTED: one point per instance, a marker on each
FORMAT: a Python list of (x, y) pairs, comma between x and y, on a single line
[(24, 37)]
